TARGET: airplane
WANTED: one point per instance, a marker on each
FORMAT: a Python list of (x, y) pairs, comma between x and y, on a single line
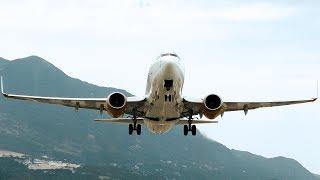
[(163, 105)]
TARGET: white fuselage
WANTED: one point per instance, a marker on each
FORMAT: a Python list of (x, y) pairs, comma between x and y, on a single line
[(163, 92)]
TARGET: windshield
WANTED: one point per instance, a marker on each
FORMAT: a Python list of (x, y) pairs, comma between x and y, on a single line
[(169, 54)]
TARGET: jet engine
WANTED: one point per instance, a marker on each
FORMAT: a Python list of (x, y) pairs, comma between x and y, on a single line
[(212, 106), (116, 104)]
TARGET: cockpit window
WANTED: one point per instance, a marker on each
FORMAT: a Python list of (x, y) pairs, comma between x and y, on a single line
[(169, 54)]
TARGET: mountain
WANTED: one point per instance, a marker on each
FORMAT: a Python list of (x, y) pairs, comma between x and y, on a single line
[(45, 131)]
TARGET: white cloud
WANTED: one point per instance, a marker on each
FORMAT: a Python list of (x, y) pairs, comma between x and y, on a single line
[(255, 12), (125, 19)]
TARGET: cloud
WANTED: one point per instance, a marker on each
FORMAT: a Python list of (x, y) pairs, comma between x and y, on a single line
[(232, 12), (167, 22), (254, 12), (136, 17)]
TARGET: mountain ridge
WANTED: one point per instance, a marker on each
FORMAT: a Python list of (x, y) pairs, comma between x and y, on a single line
[(40, 66), (58, 132)]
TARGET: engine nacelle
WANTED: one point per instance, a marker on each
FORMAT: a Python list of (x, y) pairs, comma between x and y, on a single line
[(212, 106), (116, 104)]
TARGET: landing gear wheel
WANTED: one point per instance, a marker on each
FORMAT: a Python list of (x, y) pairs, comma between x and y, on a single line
[(138, 129), (193, 130), (185, 130), (130, 129)]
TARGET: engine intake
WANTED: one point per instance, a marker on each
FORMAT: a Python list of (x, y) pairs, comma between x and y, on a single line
[(212, 106), (117, 100), (212, 102), (116, 104)]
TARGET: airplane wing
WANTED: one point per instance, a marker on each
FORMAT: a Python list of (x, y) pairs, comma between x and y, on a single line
[(245, 106), (196, 105), (87, 103)]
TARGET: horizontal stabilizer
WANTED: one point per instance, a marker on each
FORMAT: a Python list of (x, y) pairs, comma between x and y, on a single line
[(120, 120), (198, 121), (140, 121)]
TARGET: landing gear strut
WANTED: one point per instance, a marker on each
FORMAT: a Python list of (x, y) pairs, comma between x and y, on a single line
[(190, 127), (134, 127)]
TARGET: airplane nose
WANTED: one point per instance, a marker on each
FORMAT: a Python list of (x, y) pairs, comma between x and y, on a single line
[(169, 67)]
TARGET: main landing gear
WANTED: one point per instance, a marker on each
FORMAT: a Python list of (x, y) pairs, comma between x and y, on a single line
[(187, 128), (190, 127), (134, 127)]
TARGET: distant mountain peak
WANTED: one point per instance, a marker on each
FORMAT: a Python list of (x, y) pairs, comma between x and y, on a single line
[(3, 61), (33, 58), (34, 68), (35, 62)]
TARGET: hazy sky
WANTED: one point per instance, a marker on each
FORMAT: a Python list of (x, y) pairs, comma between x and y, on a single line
[(241, 50)]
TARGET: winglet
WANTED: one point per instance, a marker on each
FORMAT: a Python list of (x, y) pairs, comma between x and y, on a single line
[(2, 91), (314, 99), (2, 85)]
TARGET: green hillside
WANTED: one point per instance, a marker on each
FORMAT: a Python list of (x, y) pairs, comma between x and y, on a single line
[(106, 149)]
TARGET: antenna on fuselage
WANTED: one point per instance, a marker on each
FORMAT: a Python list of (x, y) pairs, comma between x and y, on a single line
[(317, 89)]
